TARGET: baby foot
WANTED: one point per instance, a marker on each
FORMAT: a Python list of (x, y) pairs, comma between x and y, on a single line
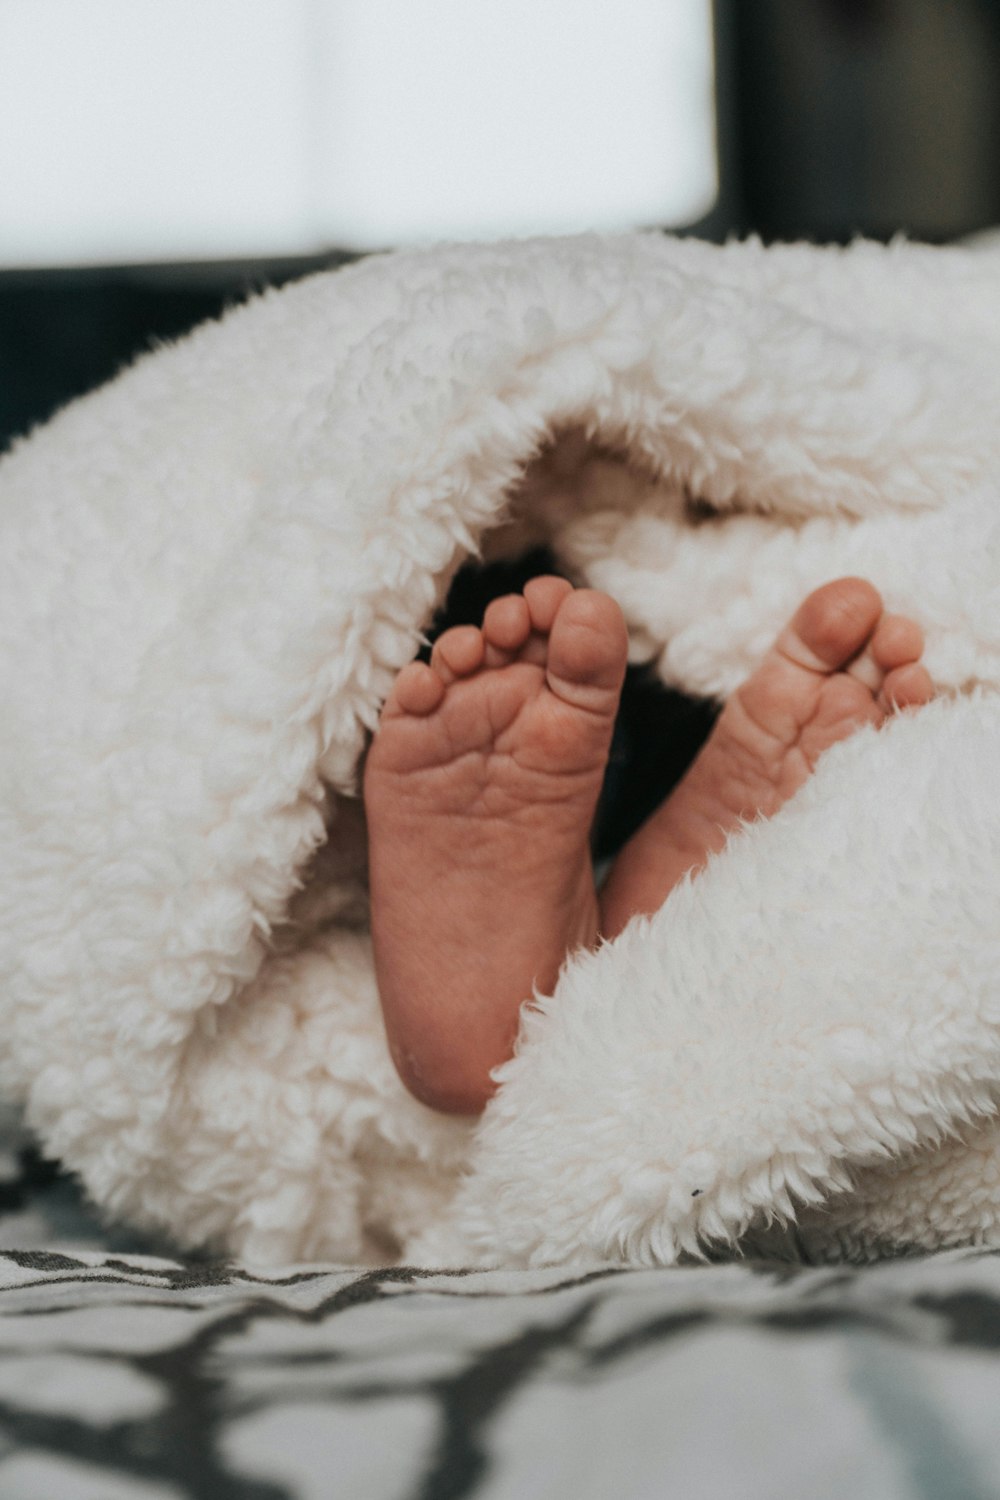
[(480, 790), (841, 663)]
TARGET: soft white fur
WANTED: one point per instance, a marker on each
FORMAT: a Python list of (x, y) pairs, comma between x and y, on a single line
[(212, 570)]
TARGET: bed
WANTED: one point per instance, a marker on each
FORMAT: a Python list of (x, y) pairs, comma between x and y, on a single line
[(130, 1373)]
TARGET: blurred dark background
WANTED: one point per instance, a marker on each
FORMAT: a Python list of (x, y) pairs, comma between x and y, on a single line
[(866, 116), (834, 118)]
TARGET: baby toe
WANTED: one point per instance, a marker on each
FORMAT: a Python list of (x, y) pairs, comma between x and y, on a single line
[(457, 653), (844, 705), (544, 595), (897, 641), (588, 649), (417, 690), (909, 686), (832, 624), (506, 627)]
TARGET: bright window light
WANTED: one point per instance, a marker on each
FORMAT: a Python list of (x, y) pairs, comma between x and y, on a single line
[(134, 130)]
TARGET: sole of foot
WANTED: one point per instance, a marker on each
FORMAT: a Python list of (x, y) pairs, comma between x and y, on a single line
[(480, 790)]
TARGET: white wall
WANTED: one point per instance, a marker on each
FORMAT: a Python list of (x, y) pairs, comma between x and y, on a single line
[(136, 130)]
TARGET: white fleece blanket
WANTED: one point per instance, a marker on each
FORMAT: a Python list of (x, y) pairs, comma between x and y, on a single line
[(212, 570)]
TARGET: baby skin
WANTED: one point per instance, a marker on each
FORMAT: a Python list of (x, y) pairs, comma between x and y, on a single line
[(483, 779)]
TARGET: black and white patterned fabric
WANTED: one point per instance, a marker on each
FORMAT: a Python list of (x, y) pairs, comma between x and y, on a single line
[(129, 1375)]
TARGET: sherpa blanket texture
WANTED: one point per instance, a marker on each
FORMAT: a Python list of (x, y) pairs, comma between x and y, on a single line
[(212, 570)]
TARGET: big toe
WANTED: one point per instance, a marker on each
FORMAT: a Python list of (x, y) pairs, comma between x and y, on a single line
[(832, 625), (588, 651)]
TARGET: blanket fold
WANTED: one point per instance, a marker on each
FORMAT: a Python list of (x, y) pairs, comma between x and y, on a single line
[(212, 570)]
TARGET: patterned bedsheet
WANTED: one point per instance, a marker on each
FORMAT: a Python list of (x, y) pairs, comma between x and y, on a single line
[(126, 1375)]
